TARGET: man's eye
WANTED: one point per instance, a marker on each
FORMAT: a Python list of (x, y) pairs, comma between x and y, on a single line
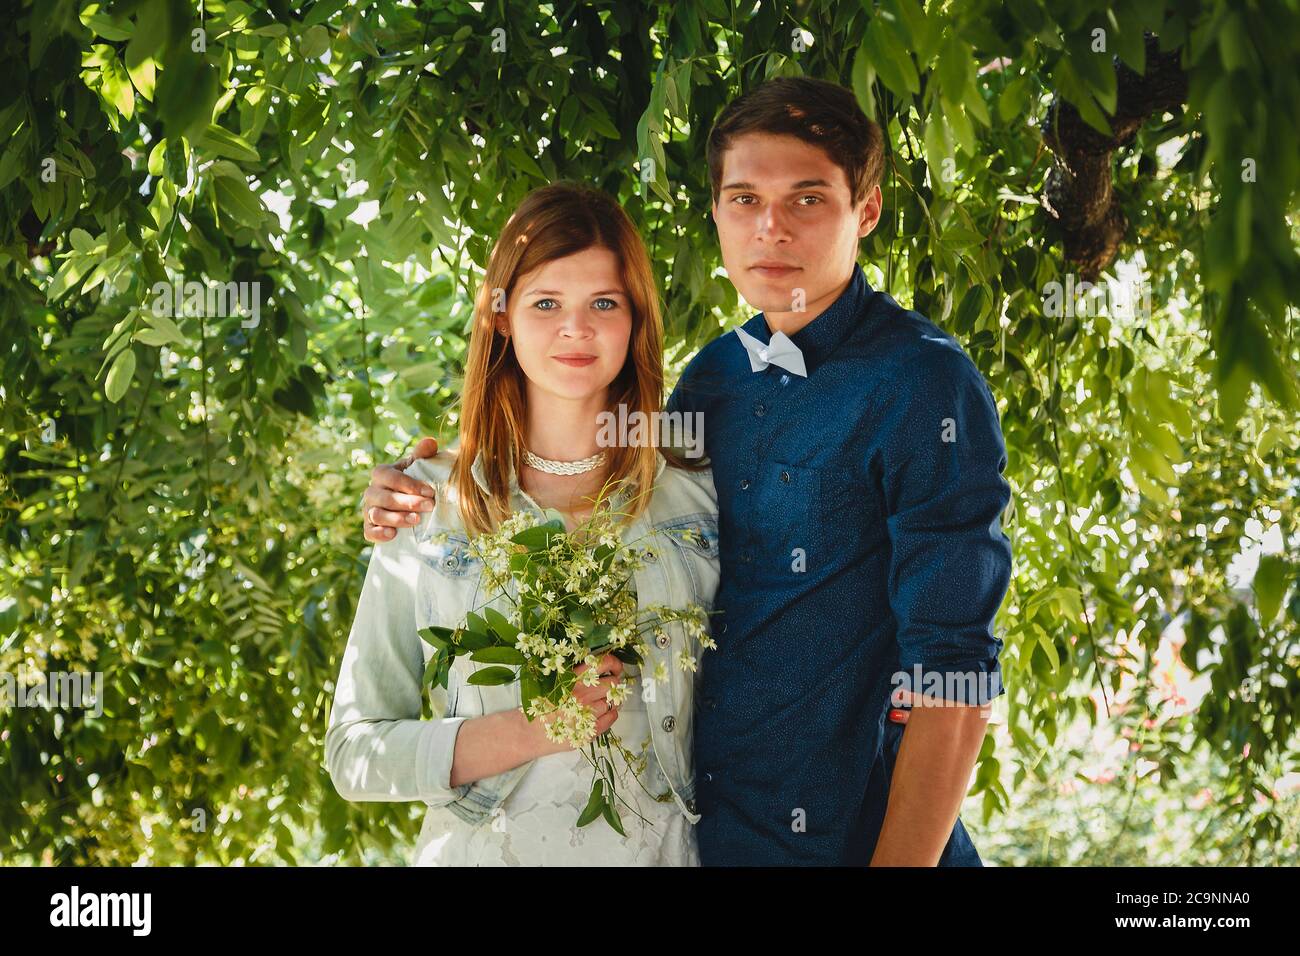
[(815, 199), (737, 199), (610, 304)]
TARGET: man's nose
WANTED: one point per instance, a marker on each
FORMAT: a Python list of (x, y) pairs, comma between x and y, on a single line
[(772, 224)]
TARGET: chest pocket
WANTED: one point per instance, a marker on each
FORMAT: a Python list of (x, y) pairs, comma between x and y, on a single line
[(693, 540), (451, 578), (448, 553), (821, 514)]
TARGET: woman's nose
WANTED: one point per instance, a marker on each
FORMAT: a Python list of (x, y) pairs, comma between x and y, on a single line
[(576, 324)]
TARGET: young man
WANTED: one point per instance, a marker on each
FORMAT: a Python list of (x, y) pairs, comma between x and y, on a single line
[(858, 461)]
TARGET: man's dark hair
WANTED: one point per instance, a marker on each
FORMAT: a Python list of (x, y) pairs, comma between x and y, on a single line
[(817, 112)]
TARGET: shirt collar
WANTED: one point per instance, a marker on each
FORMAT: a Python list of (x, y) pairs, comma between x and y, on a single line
[(819, 338)]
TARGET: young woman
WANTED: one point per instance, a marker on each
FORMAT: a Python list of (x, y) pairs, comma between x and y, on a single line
[(566, 326)]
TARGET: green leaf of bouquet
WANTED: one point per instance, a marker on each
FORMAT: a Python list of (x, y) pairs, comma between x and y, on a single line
[(501, 625), (612, 817), (433, 669), (539, 537), (473, 640), (595, 804), (438, 637), (491, 677), (498, 655), (598, 637), (475, 623), (529, 688), (627, 655)]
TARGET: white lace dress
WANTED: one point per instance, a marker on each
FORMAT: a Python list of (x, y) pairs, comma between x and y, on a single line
[(536, 825)]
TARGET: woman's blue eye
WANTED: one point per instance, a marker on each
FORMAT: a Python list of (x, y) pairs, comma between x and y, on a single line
[(538, 304), (612, 304)]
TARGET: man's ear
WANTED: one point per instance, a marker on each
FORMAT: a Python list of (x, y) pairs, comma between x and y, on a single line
[(871, 210)]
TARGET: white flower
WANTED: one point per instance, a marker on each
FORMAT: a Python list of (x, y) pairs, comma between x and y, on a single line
[(616, 694)]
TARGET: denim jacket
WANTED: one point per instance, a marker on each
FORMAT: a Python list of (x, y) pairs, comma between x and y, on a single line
[(378, 747)]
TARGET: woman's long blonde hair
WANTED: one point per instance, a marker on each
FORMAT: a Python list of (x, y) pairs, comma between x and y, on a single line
[(553, 222)]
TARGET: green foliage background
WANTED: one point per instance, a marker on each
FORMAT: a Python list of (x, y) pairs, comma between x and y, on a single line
[(179, 498)]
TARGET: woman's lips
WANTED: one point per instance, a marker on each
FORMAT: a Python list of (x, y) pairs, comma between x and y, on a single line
[(576, 361)]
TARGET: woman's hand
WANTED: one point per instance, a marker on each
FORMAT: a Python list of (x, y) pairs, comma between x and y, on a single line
[(611, 673), (395, 500)]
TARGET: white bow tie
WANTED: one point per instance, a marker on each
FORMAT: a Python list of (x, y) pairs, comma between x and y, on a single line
[(780, 351)]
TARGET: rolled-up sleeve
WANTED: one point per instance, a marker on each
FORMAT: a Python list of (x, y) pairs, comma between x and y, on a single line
[(377, 746), (943, 460)]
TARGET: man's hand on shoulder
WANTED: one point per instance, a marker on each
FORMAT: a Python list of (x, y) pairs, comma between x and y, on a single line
[(395, 500)]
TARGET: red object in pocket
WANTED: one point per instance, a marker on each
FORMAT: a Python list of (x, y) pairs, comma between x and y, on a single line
[(898, 715)]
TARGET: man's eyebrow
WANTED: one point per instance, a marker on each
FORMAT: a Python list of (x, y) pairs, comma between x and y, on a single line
[(801, 184)]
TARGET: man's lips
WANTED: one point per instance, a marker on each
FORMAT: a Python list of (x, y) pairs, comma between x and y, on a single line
[(575, 359), (773, 270)]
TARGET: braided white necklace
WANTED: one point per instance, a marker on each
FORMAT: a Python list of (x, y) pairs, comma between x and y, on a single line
[(564, 467)]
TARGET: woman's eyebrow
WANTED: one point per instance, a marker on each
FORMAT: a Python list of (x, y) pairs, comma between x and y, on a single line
[(556, 292)]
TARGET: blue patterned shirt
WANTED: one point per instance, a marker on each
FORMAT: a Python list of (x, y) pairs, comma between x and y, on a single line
[(859, 531)]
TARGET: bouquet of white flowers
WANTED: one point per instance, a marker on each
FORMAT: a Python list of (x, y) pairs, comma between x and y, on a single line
[(572, 605)]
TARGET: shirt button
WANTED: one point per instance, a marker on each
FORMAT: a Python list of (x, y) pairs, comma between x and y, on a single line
[(651, 556), (662, 640), (785, 379), (785, 477), (760, 409), (722, 628), (452, 562), (708, 778), (669, 723), (744, 484)]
